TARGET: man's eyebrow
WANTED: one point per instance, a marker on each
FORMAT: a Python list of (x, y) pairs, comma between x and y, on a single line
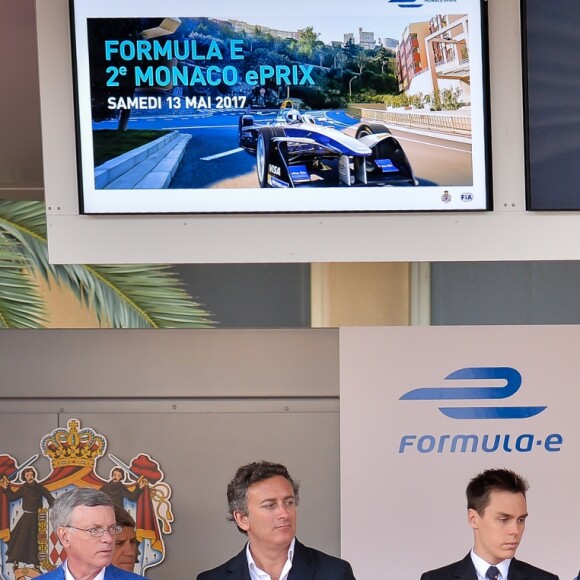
[(270, 499), (506, 515)]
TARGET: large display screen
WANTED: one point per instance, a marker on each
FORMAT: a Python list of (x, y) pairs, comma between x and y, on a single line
[(552, 126), (301, 107)]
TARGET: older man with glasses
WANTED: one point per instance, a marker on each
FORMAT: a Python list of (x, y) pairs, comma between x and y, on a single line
[(84, 520)]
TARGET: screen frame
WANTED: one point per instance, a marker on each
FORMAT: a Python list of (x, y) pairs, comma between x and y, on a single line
[(335, 200)]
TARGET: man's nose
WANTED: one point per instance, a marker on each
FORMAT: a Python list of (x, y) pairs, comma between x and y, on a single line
[(514, 529), (108, 537)]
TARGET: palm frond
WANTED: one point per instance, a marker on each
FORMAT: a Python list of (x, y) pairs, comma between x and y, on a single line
[(21, 306), (25, 222), (124, 296), (135, 296)]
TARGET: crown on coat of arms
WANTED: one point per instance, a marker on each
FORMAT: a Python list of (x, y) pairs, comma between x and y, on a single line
[(73, 447)]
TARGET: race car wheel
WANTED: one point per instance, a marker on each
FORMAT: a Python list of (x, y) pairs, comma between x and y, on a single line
[(365, 129), (263, 151)]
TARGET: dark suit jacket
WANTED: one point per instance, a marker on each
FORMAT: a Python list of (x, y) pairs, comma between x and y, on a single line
[(307, 564), (465, 570)]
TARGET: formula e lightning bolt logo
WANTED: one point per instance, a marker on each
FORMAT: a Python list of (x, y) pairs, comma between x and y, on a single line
[(407, 3), (510, 375)]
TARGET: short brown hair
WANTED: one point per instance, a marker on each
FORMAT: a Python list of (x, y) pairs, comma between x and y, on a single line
[(481, 486)]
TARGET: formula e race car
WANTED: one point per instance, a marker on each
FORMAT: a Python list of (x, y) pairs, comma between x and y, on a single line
[(293, 150)]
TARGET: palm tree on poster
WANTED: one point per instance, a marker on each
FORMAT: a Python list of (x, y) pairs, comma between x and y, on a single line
[(122, 296)]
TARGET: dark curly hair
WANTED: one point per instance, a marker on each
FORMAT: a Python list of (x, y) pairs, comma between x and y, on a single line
[(247, 475)]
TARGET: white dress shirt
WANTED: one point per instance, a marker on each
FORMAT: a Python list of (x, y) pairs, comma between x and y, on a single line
[(481, 567), (69, 576), (257, 574)]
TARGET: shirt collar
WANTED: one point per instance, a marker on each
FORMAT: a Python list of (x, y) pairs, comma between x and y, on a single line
[(69, 576), (481, 566), (255, 571)]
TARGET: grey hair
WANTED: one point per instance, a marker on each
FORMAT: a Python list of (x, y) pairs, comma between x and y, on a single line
[(62, 509)]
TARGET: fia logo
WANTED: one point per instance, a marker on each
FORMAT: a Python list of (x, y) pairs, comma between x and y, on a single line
[(513, 381), (467, 197)]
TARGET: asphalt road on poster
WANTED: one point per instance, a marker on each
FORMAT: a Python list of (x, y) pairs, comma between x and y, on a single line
[(214, 159)]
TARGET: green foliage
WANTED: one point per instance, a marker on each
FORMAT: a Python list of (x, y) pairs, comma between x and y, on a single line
[(439, 100), (417, 100), (20, 303), (333, 64), (317, 98), (445, 100), (436, 100), (350, 49), (122, 296), (307, 41), (451, 99), (397, 101), (367, 96)]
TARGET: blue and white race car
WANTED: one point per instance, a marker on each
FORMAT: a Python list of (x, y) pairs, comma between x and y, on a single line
[(293, 151)]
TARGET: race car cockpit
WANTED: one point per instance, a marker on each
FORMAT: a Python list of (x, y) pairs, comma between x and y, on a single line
[(293, 116)]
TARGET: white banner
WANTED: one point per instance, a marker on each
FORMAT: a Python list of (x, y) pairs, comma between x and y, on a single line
[(423, 410)]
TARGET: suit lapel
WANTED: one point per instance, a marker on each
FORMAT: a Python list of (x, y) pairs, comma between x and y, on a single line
[(302, 565), (238, 567), (466, 569), (516, 571)]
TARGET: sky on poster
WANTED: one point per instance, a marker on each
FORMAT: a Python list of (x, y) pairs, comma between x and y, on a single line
[(333, 27), (331, 19)]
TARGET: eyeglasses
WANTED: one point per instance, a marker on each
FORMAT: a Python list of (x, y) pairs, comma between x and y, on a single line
[(98, 532)]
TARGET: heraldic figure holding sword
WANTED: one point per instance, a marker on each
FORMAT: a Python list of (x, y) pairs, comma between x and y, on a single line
[(23, 545)]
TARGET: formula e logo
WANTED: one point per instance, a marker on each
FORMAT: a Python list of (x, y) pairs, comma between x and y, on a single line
[(407, 3), (415, 3), (511, 376)]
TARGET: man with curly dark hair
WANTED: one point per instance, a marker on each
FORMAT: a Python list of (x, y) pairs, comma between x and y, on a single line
[(262, 501)]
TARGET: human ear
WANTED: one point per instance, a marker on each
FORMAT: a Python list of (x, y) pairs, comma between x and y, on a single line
[(64, 536), (473, 518), (242, 520)]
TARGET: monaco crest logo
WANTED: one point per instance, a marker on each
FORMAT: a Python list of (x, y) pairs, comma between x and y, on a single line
[(28, 545)]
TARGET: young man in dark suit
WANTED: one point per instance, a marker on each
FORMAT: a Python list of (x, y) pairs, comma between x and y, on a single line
[(262, 500), (497, 512)]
